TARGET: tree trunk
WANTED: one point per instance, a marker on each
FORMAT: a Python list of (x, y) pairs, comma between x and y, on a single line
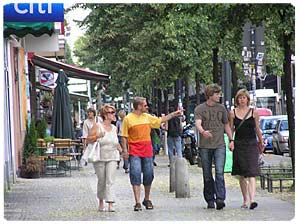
[(216, 77), (33, 106), (233, 78), (197, 80), (176, 92), (166, 103), (159, 103), (186, 98), (289, 96), (154, 96)]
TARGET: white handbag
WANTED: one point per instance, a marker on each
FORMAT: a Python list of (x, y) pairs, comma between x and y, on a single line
[(94, 155), (92, 152)]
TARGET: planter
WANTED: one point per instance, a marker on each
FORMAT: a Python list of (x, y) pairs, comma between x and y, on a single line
[(33, 175), (29, 175)]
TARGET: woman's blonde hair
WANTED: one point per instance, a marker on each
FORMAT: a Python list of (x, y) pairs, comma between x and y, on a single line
[(241, 92), (105, 108)]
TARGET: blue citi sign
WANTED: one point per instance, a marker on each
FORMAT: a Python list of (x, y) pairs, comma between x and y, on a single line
[(34, 12)]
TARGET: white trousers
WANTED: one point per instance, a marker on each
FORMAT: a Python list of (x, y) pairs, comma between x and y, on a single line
[(105, 172)]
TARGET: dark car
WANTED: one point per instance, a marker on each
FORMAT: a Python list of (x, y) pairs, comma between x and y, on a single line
[(281, 137), (267, 125)]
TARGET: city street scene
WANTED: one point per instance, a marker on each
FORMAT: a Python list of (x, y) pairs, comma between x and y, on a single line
[(149, 112)]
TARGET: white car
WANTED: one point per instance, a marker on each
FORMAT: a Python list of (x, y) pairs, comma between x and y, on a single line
[(281, 137)]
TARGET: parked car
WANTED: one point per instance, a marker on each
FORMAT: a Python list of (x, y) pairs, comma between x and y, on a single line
[(281, 137), (267, 125)]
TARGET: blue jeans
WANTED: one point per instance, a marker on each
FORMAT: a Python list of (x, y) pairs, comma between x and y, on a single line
[(174, 142), (213, 189), (139, 165)]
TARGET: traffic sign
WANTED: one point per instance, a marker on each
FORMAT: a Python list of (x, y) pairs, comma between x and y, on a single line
[(47, 78)]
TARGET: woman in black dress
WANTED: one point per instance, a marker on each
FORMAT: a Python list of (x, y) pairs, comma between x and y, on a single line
[(246, 151)]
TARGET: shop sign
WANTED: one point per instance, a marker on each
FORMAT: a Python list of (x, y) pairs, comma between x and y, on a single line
[(34, 12)]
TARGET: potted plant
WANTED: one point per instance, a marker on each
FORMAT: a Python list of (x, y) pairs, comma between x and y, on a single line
[(33, 166), (29, 150), (41, 126), (49, 139)]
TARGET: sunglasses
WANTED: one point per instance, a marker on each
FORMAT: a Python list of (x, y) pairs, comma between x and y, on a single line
[(111, 112)]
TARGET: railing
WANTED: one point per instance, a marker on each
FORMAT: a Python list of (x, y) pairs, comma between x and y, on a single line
[(271, 174)]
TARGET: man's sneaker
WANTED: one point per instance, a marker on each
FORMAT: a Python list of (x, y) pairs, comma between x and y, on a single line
[(220, 204), (211, 204)]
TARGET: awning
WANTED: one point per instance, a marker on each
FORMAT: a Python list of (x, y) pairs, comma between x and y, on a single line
[(70, 70), (21, 29), (73, 96)]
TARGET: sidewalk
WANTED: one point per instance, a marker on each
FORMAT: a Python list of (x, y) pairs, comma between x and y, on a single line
[(74, 199)]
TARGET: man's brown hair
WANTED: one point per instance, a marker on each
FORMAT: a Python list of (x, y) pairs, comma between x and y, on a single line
[(91, 110), (138, 101), (211, 89)]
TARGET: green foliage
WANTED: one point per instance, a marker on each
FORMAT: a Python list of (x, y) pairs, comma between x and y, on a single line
[(49, 139), (68, 54), (47, 97), (139, 43), (30, 141), (41, 127)]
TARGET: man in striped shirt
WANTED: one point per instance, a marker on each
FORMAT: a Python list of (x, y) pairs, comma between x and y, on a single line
[(138, 147)]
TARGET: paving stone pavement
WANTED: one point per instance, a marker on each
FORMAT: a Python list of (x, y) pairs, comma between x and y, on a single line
[(74, 199)]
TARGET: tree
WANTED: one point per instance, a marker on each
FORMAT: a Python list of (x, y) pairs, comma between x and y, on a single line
[(280, 22), (30, 142)]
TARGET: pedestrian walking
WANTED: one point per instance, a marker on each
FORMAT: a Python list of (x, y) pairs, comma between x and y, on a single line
[(136, 134), (211, 119), (174, 130), (121, 116), (88, 124), (110, 150), (245, 122)]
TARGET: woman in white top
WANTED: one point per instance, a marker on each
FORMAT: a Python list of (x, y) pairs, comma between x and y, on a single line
[(88, 124), (110, 150)]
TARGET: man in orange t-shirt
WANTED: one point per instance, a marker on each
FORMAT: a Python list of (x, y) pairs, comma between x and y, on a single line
[(136, 137)]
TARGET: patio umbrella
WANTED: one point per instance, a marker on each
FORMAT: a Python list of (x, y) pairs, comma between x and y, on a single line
[(61, 118)]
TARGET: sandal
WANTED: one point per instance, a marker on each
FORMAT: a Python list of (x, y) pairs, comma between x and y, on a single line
[(244, 206), (111, 209), (101, 210), (253, 205), (148, 204), (137, 207)]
